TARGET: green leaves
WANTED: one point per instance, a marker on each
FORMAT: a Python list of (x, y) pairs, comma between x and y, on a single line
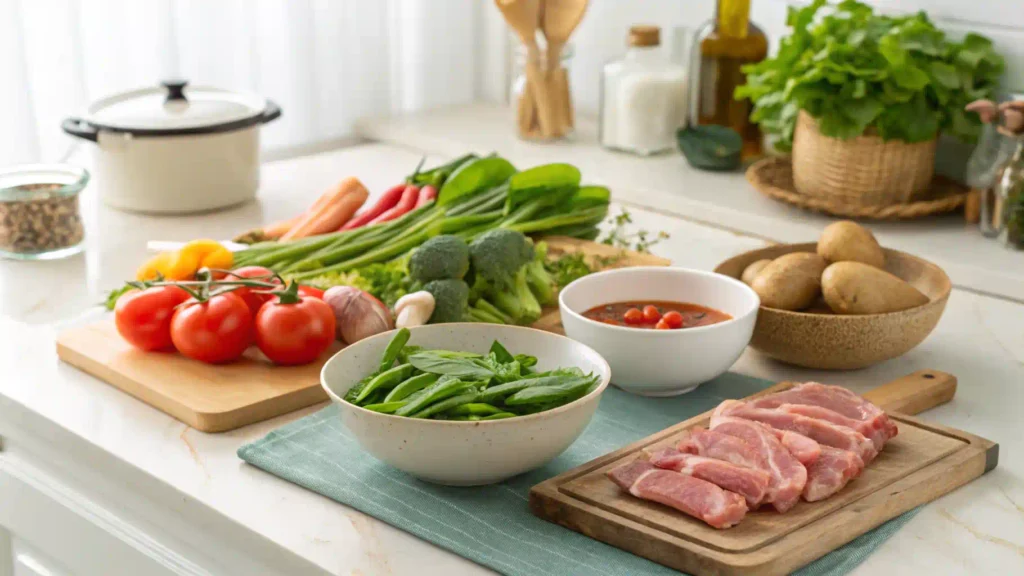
[(474, 176), (854, 70)]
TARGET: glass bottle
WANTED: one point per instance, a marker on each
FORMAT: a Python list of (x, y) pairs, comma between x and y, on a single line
[(643, 97), (1008, 213), (721, 48)]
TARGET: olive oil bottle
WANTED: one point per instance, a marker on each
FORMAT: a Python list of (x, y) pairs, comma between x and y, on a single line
[(721, 48)]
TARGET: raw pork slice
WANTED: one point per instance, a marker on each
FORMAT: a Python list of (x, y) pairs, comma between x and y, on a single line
[(805, 449), (788, 475), (698, 498), (722, 446), (821, 431), (837, 405), (830, 473), (750, 483)]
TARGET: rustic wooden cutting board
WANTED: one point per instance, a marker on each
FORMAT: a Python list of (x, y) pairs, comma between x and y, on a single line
[(923, 462), (220, 398)]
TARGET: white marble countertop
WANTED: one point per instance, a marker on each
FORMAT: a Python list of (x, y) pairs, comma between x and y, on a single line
[(198, 480), (666, 183)]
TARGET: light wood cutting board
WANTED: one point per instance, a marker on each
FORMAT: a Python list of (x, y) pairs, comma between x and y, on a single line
[(923, 462), (220, 398)]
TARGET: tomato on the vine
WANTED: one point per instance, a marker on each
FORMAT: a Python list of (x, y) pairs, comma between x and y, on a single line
[(215, 331), (143, 317), (295, 329), (252, 296)]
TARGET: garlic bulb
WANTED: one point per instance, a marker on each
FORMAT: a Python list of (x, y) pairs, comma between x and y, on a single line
[(414, 309), (359, 315)]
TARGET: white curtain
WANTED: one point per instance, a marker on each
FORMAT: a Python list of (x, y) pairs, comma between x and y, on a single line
[(326, 62)]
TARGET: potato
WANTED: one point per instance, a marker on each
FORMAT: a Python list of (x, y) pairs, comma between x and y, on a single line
[(846, 241), (790, 282), (856, 288), (751, 271)]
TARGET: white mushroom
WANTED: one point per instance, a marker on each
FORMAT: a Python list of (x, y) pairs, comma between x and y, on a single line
[(414, 309)]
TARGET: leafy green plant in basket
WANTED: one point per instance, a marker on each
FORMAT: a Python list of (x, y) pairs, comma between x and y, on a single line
[(854, 71)]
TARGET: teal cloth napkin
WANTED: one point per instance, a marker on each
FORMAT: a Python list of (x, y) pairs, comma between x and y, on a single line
[(492, 525)]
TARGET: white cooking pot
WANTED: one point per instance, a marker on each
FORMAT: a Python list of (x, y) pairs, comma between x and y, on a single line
[(175, 148)]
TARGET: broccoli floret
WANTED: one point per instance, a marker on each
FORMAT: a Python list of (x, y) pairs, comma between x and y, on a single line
[(441, 257), (541, 282), (516, 301), (451, 300), (499, 254)]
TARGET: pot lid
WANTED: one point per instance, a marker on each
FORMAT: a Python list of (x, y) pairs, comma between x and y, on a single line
[(175, 107)]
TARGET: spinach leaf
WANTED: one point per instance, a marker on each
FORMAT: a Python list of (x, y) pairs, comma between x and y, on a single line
[(545, 181), (500, 353), (459, 367), (475, 176)]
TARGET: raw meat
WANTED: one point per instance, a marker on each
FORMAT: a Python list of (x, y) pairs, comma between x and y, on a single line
[(805, 449), (837, 405), (788, 475), (722, 446), (830, 473), (698, 498), (821, 431), (750, 483)]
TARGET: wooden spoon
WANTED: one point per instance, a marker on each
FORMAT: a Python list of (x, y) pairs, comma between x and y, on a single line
[(522, 16), (560, 19)]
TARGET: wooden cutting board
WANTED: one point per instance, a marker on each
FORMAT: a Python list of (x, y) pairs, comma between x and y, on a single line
[(923, 462), (220, 398)]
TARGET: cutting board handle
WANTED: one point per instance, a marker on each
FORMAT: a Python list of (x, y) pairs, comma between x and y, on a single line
[(915, 393)]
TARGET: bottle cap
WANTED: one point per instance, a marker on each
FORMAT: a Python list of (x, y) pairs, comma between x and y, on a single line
[(644, 36)]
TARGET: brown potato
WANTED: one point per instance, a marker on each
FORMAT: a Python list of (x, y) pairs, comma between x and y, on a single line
[(856, 288), (846, 241), (751, 271), (790, 282)]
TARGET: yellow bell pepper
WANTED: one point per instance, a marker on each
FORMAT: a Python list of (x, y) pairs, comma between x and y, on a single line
[(184, 263)]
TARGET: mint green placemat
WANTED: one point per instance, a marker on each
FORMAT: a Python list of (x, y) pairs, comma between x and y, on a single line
[(492, 525)]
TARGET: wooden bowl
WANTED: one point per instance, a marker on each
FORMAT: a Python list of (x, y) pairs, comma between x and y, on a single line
[(817, 338)]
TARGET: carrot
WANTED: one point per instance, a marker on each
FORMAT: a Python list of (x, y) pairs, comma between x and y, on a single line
[(387, 200), (277, 229), (340, 204), (407, 203)]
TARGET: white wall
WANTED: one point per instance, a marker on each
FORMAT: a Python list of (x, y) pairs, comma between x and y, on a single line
[(602, 34)]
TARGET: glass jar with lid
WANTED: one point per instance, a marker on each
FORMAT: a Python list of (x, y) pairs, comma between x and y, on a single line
[(39, 214), (526, 106), (643, 97)]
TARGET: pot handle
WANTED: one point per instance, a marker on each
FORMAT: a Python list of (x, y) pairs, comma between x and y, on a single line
[(270, 113), (80, 129)]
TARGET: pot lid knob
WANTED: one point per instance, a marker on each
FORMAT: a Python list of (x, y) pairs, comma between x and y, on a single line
[(175, 89)]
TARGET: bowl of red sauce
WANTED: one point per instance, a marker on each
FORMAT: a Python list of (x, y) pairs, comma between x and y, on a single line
[(663, 330)]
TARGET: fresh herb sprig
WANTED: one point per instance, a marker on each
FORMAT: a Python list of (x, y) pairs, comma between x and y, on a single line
[(854, 70), (620, 236)]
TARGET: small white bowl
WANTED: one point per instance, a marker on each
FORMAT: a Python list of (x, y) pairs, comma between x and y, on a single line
[(662, 362), (467, 453)]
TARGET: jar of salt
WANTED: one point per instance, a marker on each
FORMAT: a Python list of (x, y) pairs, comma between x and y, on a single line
[(643, 97)]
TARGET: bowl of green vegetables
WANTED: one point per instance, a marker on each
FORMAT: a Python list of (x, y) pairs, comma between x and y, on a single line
[(466, 404)]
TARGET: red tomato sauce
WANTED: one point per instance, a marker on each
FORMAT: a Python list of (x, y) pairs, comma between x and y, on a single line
[(656, 314)]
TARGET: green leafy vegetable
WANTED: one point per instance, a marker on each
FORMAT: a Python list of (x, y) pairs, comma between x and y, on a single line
[(854, 71), (434, 363), (475, 176)]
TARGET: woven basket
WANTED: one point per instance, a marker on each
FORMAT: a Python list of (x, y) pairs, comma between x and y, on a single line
[(865, 170)]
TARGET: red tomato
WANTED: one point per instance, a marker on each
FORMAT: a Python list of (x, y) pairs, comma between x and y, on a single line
[(216, 331), (651, 313), (633, 316), (662, 325), (311, 291), (295, 333), (673, 319), (143, 318), (252, 299)]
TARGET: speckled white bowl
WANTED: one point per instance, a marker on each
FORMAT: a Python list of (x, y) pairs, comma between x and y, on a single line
[(467, 453), (662, 362)]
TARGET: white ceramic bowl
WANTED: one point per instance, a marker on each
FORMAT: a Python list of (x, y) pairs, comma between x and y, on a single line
[(662, 362), (467, 453)]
